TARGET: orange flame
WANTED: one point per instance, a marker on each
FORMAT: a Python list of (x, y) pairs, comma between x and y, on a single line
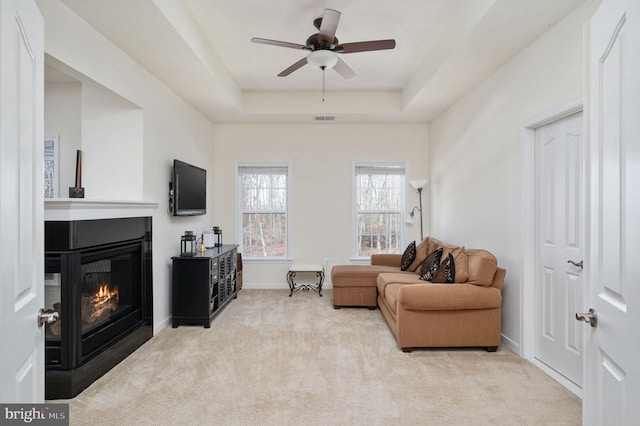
[(105, 293)]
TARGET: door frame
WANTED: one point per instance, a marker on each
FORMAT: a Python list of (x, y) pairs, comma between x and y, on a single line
[(526, 141)]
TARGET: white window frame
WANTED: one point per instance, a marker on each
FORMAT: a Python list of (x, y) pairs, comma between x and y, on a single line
[(239, 211), (403, 194)]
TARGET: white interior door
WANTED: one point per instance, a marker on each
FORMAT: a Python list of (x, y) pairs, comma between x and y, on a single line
[(612, 266), (22, 205), (559, 241)]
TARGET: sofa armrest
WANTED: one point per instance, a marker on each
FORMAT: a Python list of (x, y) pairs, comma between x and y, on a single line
[(386, 259), (498, 278), (448, 297)]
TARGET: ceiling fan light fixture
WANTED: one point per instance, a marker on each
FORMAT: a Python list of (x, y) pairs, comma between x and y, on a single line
[(322, 59)]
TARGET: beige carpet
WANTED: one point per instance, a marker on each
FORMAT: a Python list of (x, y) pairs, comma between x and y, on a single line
[(273, 360)]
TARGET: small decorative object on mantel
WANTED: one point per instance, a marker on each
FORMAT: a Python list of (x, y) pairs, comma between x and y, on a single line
[(201, 247), (77, 191), (188, 244), (51, 164), (218, 232)]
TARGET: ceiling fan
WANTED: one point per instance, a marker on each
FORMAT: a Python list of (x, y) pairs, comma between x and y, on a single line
[(324, 46)]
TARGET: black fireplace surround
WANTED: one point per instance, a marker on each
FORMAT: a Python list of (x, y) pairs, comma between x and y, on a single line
[(99, 279)]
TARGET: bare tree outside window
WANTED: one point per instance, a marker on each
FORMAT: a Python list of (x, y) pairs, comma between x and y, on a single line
[(263, 195), (379, 195)]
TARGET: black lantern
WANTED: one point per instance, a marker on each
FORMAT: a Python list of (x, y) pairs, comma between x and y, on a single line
[(188, 244), (218, 233)]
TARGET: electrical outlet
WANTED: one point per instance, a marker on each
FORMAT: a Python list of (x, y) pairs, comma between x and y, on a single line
[(326, 261)]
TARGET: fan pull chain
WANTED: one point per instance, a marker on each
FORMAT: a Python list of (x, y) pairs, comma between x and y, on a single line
[(323, 68)]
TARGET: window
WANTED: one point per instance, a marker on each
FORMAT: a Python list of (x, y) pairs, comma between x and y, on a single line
[(379, 197), (262, 196)]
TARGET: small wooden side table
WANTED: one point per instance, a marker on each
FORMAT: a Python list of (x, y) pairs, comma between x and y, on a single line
[(305, 268)]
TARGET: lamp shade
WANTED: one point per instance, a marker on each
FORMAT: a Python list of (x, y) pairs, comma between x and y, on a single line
[(322, 59), (419, 183), (410, 219)]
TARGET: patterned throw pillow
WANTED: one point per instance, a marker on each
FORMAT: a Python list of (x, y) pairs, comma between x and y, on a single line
[(446, 272), (408, 256), (430, 265), (422, 251)]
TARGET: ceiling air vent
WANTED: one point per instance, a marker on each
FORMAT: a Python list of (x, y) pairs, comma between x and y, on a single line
[(325, 117)]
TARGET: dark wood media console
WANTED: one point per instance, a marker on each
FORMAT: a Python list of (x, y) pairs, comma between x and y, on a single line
[(203, 284)]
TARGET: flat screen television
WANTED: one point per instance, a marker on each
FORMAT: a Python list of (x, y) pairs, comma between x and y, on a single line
[(189, 189)]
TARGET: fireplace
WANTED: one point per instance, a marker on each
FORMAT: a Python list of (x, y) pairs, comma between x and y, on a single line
[(98, 277)]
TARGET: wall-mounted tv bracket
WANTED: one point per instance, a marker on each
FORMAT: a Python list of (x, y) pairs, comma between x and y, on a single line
[(170, 197)]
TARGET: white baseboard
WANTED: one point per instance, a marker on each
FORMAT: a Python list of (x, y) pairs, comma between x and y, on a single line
[(513, 346), (568, 384), (159, 326)]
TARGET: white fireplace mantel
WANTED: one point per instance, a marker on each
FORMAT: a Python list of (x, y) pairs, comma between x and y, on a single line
[(68, 209)]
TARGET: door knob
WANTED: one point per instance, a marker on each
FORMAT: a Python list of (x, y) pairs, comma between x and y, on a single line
[(577, 265), (47, 317), (590, 317)]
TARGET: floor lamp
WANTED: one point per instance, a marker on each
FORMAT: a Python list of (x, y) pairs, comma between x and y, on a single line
[(418, 185)]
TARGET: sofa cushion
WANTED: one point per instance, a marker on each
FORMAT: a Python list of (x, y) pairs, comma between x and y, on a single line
[(386, 259), (482, 267), (459, 255), (446, 272), (408, 256), (442, 297), (391, 296), (430, 265), (434, 243), (461, 261), (388, 278), (358, 275)]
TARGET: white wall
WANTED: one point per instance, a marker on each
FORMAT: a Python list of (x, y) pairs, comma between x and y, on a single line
[(112, 140), (62, 112), (170, 129), (321, 158), (475, 153), (107, 128)]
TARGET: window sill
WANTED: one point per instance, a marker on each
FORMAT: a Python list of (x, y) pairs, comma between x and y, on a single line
[(361, 260), (266, 260)]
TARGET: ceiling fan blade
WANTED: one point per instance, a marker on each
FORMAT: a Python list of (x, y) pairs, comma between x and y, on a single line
[(343, 69), (302, 62), (279, 43), (328, 26), (365, 46)]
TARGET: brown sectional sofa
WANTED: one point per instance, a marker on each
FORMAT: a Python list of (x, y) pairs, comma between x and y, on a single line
[(424, 314)]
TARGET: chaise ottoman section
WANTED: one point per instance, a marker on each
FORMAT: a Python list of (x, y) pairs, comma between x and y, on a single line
[(355, 285)]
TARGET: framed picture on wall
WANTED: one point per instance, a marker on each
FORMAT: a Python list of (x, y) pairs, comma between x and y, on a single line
[(51, 166)]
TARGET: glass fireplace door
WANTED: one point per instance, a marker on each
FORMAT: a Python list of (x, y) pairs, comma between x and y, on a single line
[(108, 289), (98, 294), (53, 303), (110, 295)]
